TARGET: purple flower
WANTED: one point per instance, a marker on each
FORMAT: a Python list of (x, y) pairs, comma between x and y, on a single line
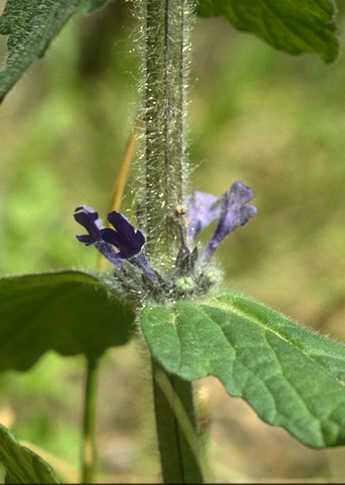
[(235, 212), (125, 238), (122, 242), (202, 210), (88, 218)]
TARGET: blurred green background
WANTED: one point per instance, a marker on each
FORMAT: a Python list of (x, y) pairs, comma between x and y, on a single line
[(275, 122)]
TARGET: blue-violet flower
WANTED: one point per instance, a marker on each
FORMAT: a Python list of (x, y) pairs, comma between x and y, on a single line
[(231, 210), (124, 242), (202, 210), (88, 218)]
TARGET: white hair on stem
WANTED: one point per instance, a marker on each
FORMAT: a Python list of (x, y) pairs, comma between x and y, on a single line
[(162, 166)]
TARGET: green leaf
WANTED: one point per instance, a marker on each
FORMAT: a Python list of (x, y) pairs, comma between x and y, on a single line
[(31, 25), (23, 465), (292, 377), (294, 26), (70, 312)]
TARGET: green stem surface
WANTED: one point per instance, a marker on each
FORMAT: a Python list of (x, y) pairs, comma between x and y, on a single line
[(165, 28), (165, 49), (180, 447), (89, 447)]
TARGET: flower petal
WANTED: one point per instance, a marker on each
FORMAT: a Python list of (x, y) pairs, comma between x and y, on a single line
[(128, 240), (203, 209), (235, 212), (88, 218), (121, 224), (86, 239), (125, 238), (111, 237)]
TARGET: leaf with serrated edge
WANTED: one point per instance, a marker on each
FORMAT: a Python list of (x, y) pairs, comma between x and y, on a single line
[(31, 25), (294, 26), (293, 378), (70, 312), (22, 465)]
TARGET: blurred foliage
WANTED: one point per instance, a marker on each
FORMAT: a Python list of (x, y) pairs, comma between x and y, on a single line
[(257, 115)]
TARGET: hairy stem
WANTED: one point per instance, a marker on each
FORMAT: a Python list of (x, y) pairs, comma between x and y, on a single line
[(178, 438), (89, 448), (166, 26)]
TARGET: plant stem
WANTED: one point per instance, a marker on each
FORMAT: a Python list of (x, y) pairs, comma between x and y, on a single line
[(179, 443), (166, 25), (89, 448)]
